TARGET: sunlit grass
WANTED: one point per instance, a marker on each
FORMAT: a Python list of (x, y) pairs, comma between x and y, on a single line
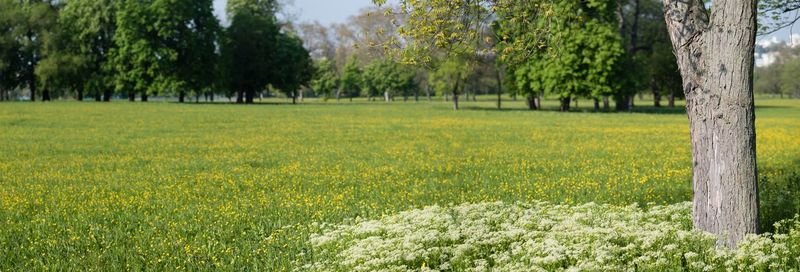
[(129, 186)]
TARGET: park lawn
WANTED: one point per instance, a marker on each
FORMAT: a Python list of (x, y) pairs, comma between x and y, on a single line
[(165, 186)]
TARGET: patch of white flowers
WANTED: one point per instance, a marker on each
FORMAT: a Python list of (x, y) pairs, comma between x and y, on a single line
[(544, 237)]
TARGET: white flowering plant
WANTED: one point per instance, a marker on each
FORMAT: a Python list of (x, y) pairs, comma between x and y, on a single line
[(544, 237)]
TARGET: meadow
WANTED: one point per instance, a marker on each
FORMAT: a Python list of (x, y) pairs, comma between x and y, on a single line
[(166, 186)]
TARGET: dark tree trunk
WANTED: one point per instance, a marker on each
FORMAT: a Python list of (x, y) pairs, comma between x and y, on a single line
[(428, 93), (455, 101), (715, 56), (622, 102), (131, 97), (197, 98), (239, 97), (2, 94), (79, 94), (596, 104), (45, 94), (32, 87), (181, 97), (532, 103), (606, 103), (416, 96), (657, 99), (249, 96), (565, 104), (98, 97), (107, 96), (211, 97), (144, 97)]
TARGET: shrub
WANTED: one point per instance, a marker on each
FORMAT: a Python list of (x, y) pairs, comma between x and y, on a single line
[(544, 237)]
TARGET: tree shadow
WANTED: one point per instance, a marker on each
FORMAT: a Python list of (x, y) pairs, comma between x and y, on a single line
[(779, 193)]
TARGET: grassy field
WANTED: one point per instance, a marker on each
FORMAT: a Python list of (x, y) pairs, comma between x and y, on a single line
[(130, 186)]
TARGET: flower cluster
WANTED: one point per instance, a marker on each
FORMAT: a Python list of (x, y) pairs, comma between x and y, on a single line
[(544, 237)]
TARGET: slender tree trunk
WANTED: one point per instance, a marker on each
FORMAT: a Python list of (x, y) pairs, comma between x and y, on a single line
[(197, 98), (239, 97), (455, 101), (622, 102), (499, 79), (446, 97), (181, 96), (131, 97), (107, 96), (211, 97), (538, 101), (672, 99), (514, 97), (416, 95), (386, 97), (32, 87), (2, 94), (294, 98), (532, 102), (79, 92), (428, 93), (338, 94), (596, 104), (144, 97), (715, 56), (606, 103), (98, 97)]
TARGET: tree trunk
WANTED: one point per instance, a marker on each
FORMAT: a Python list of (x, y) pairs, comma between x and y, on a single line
[(622, 102), (446, 97), (606, 103), (249, 96), (131, 97), (499, 79), (532, 102), (239, 97), (386, 97), (565, 104), (596, 104), (455, 101), (32, 87), (294, 98), (98, 97), (338, 94), (181, 97), (428, 93), (107, 96), (144, 97), (538, 101), (672, 99), (657, 99), (715, 57)]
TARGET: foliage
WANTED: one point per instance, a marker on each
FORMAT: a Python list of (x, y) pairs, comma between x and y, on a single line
[(296, 67), (249, 49), (389, 78), (586, 60), (351, 78), (325, 80), (445, 80), (545, 237), (83, 190)]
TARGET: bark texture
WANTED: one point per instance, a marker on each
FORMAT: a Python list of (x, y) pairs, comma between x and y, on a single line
[(715, 56)]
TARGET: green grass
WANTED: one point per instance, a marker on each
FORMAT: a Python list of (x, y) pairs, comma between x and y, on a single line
[(129, 186)]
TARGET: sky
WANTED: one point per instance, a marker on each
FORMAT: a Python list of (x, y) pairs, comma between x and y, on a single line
[(324, 11)]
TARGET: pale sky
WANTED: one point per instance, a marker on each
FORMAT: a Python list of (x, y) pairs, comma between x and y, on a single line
[(324, 11)]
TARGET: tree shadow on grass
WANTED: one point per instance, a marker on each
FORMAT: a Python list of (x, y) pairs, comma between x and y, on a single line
[(779, 193)]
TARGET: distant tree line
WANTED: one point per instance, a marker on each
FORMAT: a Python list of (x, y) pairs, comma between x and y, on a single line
[(781, 78), (107, 48), (137, 49)]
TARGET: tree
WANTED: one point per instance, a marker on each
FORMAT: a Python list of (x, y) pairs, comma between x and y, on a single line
[(89, 27), (296, 67), (586, 61), (388, 78), (35, 19), (351, 79), (325, 80), (10, 48), (715, 54), (449, 77), (249, 47)]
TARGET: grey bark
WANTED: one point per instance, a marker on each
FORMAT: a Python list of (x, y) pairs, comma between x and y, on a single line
[(715, 56)]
